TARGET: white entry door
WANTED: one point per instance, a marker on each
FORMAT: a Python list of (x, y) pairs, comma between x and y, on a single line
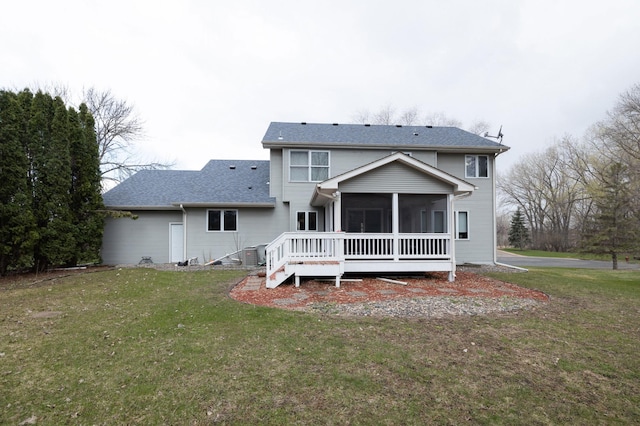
[(176, 242)]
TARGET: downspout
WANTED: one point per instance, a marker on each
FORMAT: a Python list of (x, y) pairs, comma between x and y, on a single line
[(495, 222), (184, 232)]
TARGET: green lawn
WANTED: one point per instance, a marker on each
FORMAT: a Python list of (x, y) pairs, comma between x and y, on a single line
[(139, 346), (564, 255)]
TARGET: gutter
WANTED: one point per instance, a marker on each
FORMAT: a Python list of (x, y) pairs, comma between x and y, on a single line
[(343, 145), (331, 197), (164, 207), (228, 205), (464, 194)]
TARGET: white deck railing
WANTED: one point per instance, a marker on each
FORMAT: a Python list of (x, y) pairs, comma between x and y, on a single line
[(340, 246), (397, 247), (304, 246)]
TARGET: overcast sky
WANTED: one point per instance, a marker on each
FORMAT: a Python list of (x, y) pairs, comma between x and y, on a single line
[(207, 77)]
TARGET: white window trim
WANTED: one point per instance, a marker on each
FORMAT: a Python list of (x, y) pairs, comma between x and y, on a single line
[(206, 222), (309, 166), (477, 168), (457, 217), (307, 214)]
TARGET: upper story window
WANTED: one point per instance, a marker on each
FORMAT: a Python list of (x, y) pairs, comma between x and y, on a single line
[(476, 166), (308, 166), (222, 220)]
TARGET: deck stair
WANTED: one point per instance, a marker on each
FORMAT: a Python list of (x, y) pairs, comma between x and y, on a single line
[(300, 254)]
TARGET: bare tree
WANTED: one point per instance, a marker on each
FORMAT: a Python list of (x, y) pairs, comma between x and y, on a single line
[(118, 127), (502, 229), (441, 119), (547, 190), (409, 117), (362, 117), (385, 115), (388, 115), (479, 127), (621, 129), (618, 137), (610, 164), (523, 187)]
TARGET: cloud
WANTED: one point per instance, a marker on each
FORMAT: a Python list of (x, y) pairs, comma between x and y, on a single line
[(208, 76)]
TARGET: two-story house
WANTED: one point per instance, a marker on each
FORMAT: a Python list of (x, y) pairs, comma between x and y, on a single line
[(332, 199)]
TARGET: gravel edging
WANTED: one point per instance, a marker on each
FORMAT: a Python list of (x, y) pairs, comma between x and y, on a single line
[(427, 307), (434, 307)]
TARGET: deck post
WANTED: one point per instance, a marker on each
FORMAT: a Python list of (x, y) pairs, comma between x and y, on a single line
[(395, 226), (337, 212), (452, 237)]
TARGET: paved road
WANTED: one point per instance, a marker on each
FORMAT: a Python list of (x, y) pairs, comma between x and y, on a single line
[(527, 261)]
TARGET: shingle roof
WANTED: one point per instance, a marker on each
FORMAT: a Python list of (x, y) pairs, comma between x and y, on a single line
[(216, 184), (363, 135)]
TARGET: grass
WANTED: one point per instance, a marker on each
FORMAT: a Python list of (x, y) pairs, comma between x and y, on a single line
[(565, 255), (139, 346)]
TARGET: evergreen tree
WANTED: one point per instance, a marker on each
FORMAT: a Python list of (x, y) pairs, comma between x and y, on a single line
[(518, 233), (86, 200), (50, 201), (614, 227), (17, 225), (57, 242)]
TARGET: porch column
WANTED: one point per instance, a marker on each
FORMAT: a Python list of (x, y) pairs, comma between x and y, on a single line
[(337, 212), (328, 217), (395, 225), (452, 237)]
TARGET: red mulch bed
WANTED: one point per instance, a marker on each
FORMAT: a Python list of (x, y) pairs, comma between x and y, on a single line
[(434, 284)]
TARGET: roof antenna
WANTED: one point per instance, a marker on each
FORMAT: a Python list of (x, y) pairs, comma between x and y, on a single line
[(498, 137)]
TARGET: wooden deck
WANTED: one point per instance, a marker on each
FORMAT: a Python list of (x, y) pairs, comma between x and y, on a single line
[(331, 254)]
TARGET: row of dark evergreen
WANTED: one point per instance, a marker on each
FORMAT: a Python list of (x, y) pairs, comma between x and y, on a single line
[(50, 198)]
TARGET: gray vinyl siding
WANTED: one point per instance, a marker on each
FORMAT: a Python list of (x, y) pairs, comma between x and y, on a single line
[(395, 177), (340, 161), (255, 226), (345, 160), (480, 247), (276, 180), (297, 195), (126, 240)]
